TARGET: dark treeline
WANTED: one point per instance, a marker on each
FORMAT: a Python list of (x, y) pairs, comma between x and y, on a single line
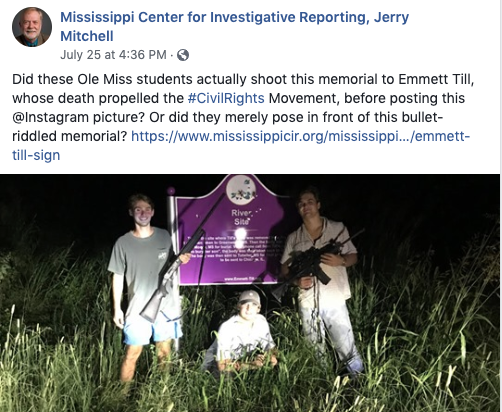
[(434, 213)]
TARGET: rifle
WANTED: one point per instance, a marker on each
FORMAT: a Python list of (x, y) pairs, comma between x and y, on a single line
[(151, 310), (308, 264)]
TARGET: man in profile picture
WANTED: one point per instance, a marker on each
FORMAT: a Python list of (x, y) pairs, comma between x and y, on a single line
[(30, 23)]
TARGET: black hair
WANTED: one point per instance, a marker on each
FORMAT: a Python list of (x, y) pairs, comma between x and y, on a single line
[(309, 189)]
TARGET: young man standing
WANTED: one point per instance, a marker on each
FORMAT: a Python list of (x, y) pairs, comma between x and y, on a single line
[(322, 307), (139, 255)]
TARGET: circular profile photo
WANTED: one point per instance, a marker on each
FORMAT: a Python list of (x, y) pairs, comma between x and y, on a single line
[(32, 27)]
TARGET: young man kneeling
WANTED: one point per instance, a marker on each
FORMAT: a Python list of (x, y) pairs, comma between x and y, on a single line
[(243, 341)]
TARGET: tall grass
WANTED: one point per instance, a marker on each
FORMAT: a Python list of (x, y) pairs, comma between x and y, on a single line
[(430, 341)]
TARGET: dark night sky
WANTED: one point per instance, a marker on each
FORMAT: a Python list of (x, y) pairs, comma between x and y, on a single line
[(439, 211)]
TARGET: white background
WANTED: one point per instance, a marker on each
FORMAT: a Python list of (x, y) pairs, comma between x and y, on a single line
[(440, 38)]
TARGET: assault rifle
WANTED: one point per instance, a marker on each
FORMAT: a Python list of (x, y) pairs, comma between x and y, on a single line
[(151, 310), (308, 264)]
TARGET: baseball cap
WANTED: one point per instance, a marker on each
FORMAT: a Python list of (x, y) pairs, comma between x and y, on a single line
[(249, 296)]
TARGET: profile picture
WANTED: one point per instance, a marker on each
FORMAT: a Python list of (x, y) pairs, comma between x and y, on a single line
[(32, 27)]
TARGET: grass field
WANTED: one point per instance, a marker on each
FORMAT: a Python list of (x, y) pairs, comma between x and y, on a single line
[(429, 338)]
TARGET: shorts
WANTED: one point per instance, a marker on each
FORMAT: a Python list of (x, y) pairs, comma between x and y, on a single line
[(139, 331)]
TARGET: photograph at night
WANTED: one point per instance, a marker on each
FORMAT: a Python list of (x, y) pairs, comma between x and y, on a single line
[(250, 293)]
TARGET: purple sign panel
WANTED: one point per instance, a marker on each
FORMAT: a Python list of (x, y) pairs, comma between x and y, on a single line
[(244, 237)]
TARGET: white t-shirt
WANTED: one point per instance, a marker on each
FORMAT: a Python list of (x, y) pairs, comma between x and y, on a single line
[(237, 337)]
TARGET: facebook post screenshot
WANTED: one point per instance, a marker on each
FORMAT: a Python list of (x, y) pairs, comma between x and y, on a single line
[(345, 87), (354, 268)]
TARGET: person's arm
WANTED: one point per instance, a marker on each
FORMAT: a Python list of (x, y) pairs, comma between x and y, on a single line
[(347, 260), (305, 282), (271, 355), (266, 343), (117, 289), (286, 258), (348, 254), (285, 269), (229, 365)]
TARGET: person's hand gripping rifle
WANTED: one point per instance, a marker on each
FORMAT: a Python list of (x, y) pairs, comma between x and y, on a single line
[(169, 270), (307, 264)]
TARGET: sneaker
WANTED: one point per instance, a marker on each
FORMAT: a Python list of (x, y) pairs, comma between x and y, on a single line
[(353, 370)]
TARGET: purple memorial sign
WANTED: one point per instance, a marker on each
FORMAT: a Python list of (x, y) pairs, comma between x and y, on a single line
[(244, 236)]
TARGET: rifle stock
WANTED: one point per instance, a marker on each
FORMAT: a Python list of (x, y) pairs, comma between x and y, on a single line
[(279, 291), (151, 309)]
